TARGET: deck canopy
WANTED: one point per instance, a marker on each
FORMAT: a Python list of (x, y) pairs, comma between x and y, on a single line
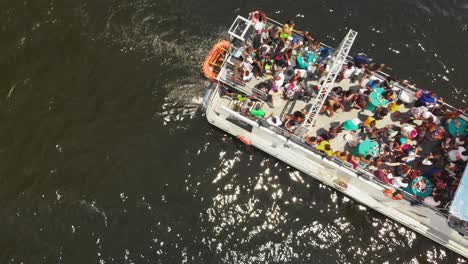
[(459, 206)]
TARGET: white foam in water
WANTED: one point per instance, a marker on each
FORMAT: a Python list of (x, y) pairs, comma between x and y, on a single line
[(378, 31), (394, 50), (59, 196), (421, 47)]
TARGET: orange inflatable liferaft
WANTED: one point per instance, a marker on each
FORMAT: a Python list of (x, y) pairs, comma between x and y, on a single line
[(212, 64), (389, 194)]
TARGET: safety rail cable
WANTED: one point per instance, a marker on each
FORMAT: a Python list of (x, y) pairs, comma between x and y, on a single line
[(224, 77), (276, 23), (407, 195), (358, 171), (380, 74)]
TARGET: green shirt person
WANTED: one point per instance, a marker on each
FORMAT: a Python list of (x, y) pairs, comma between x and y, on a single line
[(258, 111)]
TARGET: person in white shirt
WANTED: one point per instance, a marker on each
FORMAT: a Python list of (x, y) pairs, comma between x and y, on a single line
[(457, 154), (358, 75), (431, 201), (397, 181), (428, 114), (279, 79), (276, 96), (274, 121), (291, 89), (247, 76), (348, 70)]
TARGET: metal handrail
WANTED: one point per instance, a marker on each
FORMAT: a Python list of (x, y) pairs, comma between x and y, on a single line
[(379, 74), (358, 171), (298, 140)]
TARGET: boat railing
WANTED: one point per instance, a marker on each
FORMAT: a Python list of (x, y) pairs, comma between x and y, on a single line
[(358, 171), (412, 90), (227, 78), (379, 74)]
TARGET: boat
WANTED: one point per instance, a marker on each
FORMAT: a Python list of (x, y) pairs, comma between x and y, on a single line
[(245, 107), (214, 60)]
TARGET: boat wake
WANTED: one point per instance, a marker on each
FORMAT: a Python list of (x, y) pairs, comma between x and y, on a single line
[(167, 43), (178, 48)]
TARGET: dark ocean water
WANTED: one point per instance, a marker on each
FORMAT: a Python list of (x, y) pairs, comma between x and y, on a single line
[(105, 159)]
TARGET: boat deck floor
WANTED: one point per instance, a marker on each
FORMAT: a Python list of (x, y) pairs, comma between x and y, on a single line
[(324, 122)]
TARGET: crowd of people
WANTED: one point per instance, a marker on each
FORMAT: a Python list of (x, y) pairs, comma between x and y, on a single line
[(430, 139)]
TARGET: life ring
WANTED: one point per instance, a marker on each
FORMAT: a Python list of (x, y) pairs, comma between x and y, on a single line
[(244, 140), (213, 61)]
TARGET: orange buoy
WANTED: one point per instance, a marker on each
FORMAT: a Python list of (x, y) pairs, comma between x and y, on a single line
[(213, 61), (390, 194), (244, 140)]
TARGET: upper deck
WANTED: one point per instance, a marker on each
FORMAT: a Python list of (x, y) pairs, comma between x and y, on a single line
[(228, 106)]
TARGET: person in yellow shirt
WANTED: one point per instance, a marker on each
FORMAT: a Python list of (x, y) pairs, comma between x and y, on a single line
[(325, 147), (394, 106), (287, 31), (394, 109), (343, 155), (370, 122)]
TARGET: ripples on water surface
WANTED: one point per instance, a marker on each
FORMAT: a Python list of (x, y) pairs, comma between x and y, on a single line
[(104, 157)]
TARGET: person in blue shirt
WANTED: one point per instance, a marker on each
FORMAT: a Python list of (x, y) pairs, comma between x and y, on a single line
[(323, 54), (428, 99), (372, 84), (361, 60)]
